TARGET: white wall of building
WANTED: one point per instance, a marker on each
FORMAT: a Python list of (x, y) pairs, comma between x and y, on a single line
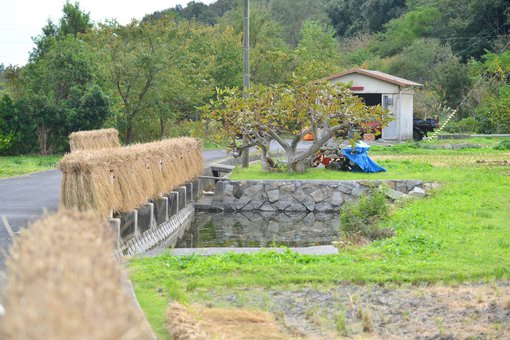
[(370, 85), (401, 127), (391, 130), (406, 114)]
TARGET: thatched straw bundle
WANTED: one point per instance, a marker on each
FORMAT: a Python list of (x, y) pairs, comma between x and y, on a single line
[(63, 282), (94, 139), (140, 172)]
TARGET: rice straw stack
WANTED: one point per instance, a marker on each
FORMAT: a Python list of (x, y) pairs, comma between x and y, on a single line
[(94, 139), (63, 282), (122, 179)]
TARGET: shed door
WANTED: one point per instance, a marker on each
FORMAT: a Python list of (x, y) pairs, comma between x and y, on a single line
[(391, 131)]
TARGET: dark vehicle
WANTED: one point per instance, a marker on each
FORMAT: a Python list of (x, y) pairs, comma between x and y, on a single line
[(423, 126)]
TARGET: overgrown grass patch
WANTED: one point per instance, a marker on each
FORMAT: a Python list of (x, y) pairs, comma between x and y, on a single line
[(402, 161), (458, 234), (20, 165)]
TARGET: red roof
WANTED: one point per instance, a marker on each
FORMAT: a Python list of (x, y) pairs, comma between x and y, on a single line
[(377, 75)]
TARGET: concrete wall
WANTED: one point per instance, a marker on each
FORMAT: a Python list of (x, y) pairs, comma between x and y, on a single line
[(294, 195), (156, 222)]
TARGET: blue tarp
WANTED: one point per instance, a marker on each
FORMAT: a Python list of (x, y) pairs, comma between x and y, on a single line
[(359, 156)]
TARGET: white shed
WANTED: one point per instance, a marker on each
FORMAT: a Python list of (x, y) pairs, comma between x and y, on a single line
[(392, 93)]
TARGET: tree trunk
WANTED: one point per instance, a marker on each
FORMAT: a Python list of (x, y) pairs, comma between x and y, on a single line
[(129, 132), (161, 128), (42, 137), (268, 164), (297, 163)]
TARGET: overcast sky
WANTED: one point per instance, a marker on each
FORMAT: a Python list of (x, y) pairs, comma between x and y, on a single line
[(20, 20)]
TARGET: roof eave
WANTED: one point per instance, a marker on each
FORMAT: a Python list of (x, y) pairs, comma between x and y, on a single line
[(371, 75)]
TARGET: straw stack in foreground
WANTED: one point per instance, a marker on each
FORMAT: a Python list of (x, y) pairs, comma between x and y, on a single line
[(64, 283), (122, 179), (94, 139)]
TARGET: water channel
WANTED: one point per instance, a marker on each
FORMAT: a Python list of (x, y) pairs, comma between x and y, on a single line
[(260, 229)]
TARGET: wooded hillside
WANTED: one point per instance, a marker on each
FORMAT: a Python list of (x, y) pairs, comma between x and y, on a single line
[(149, 78)]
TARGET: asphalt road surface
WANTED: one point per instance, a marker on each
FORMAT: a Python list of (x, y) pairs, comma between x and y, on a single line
[(24, 199)]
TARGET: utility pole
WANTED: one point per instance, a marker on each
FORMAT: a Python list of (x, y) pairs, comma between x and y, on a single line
[(245, 157)]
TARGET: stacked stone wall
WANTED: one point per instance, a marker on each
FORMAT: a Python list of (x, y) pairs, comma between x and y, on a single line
[(299, 195)]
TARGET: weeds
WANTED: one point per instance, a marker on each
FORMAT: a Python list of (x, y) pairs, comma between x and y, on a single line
[(361, 218), (366, 320), (312, 315), (503, 145), (440, 325), (341, 323)]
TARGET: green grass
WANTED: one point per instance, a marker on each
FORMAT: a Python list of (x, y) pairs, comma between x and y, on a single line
[(20, 165), (460, 233), (208, 145), (402, 161)]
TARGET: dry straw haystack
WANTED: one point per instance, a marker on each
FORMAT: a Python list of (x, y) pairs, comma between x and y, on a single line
[(182, 325), (94, 139), (138, 173), (63, 282)]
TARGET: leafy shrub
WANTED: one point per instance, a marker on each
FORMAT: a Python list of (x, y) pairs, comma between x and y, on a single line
[(362, 217), (464, 125), (503, 145), (6, 144)]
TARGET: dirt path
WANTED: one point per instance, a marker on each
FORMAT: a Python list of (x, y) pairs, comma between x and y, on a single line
[(435, 312)]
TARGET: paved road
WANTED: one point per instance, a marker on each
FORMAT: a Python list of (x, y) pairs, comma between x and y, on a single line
[(24, 199)]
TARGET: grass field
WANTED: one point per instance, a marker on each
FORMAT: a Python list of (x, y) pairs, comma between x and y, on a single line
[(21, 165), (461, 233)]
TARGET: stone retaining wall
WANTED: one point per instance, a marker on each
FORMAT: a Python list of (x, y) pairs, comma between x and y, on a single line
[(300, 195)]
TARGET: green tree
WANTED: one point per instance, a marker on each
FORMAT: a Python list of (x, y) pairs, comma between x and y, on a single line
[(401, 32), (470, 26), (57, 90), (73, 20), (160, 70), (453, 83), (2, 77), (204, 57), (493, 113), (42, 42), (130, 57), (419, 60), (270, 113), (198, 11), (224, 46), (350, 17), (292, 14), (88, 109), (269, 54), (317, 53), (16, 128)]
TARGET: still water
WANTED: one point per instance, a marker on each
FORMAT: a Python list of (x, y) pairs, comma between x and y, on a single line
[(260, 229)]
